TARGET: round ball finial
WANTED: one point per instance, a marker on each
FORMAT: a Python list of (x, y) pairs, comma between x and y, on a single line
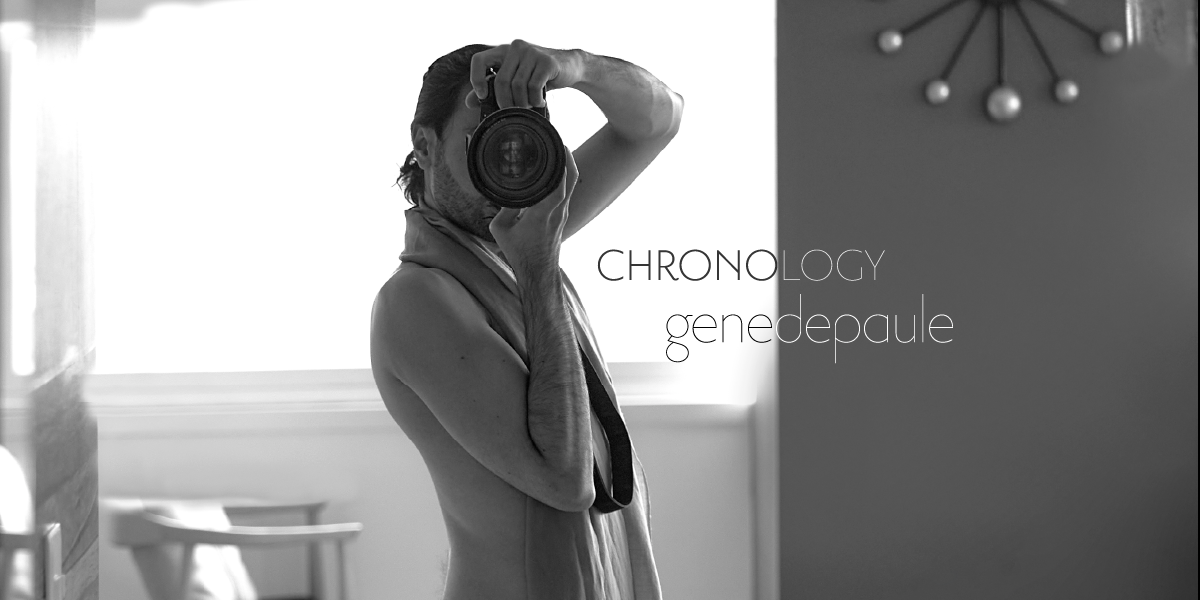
[(1004, 103), (1066, 91), (890, 41), (937, 91), (1111, 42)]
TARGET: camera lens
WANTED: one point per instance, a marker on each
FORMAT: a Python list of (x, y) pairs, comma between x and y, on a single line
[(516, 157), (512, 157)]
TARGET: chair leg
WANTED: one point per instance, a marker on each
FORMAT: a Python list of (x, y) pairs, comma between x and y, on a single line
[(7, 558), (343, 593), (316, 581), (189, 554)]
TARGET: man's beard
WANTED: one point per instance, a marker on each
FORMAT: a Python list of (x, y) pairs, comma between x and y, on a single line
[(472, 214)]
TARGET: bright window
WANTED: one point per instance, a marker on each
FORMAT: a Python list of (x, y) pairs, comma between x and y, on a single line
[(241, 154)]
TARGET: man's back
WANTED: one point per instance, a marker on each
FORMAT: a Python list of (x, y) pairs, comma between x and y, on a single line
[(484, 515)]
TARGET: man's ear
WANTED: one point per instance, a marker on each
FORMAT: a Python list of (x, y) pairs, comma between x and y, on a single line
[(424, 145)]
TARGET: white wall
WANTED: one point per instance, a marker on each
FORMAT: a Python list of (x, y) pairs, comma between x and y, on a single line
[(347, 450)]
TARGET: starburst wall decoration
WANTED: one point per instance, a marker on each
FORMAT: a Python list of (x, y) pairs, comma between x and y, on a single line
[(1003, 101)]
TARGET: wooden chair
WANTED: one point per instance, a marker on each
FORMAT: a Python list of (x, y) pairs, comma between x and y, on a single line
[(17, 539), (189, 549)]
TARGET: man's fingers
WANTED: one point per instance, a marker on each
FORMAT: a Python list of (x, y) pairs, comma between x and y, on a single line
[(538, 81), (471, 100), (521, 83), (556, 201), (480, 62), (522, 74), (567, 186), (504, 220), (504, 78), (572, 175)]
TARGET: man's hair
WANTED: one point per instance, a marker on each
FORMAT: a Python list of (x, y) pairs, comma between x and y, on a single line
[(441, 88)]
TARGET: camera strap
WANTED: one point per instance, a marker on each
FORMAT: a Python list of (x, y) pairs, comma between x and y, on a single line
[(619, 449)]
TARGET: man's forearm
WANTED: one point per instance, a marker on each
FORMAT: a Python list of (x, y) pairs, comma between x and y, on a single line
[(636, 103), (557, 400)]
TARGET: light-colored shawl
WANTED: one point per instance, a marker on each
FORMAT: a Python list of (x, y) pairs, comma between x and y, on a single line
[(588, 555)]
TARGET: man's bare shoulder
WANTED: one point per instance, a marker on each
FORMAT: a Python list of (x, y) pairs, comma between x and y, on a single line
[(420, 308), (414, 286)]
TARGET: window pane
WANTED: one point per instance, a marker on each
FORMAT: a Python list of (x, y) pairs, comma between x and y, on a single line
[(241, 157)]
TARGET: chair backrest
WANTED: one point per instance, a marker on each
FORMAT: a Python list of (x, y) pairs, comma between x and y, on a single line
[(216, 572), (16, 525)]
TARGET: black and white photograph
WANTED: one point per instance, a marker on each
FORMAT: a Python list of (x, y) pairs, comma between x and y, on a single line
[(640, 300)]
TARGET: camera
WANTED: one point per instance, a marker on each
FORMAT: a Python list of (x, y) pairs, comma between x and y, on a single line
[(515, 156)]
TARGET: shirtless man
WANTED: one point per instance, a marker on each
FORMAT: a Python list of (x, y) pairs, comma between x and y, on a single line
[(494, 429)]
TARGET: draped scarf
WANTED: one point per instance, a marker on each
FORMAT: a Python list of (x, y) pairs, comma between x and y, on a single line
[(603, 553)]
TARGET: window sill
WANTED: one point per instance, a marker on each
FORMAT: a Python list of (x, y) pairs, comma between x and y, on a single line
[(331, 401)]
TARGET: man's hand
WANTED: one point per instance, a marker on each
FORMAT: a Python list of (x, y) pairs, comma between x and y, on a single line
[(643, 114), (530, 237), (523, 70)]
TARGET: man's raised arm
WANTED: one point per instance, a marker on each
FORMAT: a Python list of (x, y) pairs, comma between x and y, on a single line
[(643, 114)]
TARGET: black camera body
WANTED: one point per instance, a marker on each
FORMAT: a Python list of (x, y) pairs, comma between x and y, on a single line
[(515, 156)]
